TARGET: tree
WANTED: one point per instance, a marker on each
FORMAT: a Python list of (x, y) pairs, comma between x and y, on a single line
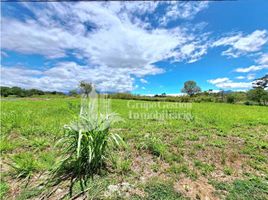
[(191, 88), (73, 92), (261, 82), (5, 91), (230, 98), (259, 95), (85, 87)]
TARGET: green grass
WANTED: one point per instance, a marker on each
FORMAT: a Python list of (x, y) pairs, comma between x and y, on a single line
[(216, 140), (248, 189), (3, 189), (161, 191)]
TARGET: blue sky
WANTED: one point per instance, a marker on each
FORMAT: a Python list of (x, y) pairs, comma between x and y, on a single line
[(138, 47)]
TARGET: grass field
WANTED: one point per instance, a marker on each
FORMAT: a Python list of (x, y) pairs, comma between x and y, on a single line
[(220, 152)]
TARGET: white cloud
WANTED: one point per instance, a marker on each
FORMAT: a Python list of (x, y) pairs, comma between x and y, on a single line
[(218, 80), (240, 77), (240, 45), (251, 68), (143, 80), (107, 36), (4, 54), (183, 10), (226, 83), (251, 76), (65, 76), (263, 60)]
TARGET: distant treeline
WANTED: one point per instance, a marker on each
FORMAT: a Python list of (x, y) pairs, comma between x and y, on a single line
[(254, 96), (20, 92), (200, 97), (250, 97)]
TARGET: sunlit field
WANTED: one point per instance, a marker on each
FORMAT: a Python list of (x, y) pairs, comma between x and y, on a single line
[(219, 151)]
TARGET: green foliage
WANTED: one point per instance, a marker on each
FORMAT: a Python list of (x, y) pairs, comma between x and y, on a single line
[(228, 171), (73, 92), (161, 191), (35, 125), (86, 87), (24, 164), (182, 169), (155, 146), (3, 189), (254, 188), (204, 167), (261, 82), (259, 95), (20, 92), (85, 149), (28, 193), (87, 141), (249, 189), (123, 165), (7, 145), (231, 98), (191, 88)]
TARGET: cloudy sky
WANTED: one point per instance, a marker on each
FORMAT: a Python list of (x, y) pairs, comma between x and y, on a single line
[(142, 47)]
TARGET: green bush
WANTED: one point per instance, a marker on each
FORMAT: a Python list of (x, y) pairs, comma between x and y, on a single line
[(230, 98)]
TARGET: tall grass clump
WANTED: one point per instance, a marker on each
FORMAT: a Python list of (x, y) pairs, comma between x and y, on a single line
[(87, 141)]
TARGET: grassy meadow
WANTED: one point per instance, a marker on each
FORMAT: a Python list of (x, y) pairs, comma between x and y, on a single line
[(219, 152)]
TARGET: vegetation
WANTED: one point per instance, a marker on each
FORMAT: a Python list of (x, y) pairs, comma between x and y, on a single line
[(19, 92), (259, 95), (85, 144), (86, 87), (191, 88), (223, 148)]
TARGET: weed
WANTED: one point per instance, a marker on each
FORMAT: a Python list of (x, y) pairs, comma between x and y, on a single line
[(218, 143), (193, 137), (7, 145), (160, 190), (228, 171), (254, 188), (3, 189), (155, 146), (24, 164), (123, 166), (182, 168), (86, 143), (204, 167)]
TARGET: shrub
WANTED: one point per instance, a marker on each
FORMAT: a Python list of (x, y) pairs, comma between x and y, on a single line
[(259, 95), (230, 99), (156, 146), (86, 142), (248, 103), (185, 99)]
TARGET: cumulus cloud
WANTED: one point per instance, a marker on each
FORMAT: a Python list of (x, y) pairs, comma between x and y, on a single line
[(108, 36), (65, 76), (226, 83), (240, 44)]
